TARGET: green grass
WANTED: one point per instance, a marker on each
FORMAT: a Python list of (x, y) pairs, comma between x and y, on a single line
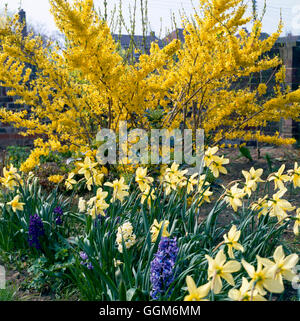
[(8, 294)]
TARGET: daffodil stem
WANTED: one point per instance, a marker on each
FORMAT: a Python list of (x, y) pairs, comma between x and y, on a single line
[(213, 287), (218, 246), (252, 291)]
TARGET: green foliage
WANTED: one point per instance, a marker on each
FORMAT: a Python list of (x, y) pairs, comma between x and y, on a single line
[(51, 276), (8, 294), (269, 162), (246, 153), (16, 155)]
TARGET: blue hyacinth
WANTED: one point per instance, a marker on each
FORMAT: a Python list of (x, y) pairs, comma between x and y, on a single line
[(162, 268), (85, 260), (58, 215), (35, 231)]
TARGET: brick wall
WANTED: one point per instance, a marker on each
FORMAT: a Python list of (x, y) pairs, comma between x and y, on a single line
[(8, 134), (290, 53)]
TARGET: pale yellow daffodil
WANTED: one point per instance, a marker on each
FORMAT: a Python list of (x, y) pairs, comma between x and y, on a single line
[(295, 175), (231, 240), (282, 266), (219, 269), (279, 178), (262, 278), (196, 294), (70, 181), (156, 227), (15, 204), (142, 179), (120, 189), (245, 293), (279, 207), (297, 222), (234, 196)]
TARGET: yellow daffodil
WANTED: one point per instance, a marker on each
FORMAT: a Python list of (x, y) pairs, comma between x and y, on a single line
[(262, 278), (10, 178), (245, 293), (279, 207), (56, 179), (15, 204), (219, 269), (175, 175), (142, 179), (170, 184), (282, 266), (262, 206), (81, 205), (203, 190), (12, 170), (297, 222), (234, 196), (210, 156), (120, 189), (95, 179), (85, 168), (196, 294), (70, 181), (252, 178), (97, 205), (231, 240), (189, 182), (216, 166), (148, 196), (174, 178), (295, 175), (253, 174), (125, 234), (156, 227), (279, 178)]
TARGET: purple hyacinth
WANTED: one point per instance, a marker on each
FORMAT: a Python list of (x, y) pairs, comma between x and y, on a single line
[(83, 255), (58, 215), (85, 260), (100, 219), (35, 231), (162, 268)]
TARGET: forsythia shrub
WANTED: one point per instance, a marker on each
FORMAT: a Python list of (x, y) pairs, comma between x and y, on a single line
[(72, 93)]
